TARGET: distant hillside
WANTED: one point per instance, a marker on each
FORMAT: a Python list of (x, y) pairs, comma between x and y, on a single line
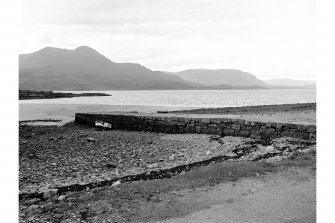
[(290, 83), (85, 69), (220, 77)]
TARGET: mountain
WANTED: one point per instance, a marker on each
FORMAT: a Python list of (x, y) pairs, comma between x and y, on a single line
[(220, 77), (285, 82), (86, 69)]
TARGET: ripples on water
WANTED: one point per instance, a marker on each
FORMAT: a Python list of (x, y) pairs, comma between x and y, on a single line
[(190, 98)]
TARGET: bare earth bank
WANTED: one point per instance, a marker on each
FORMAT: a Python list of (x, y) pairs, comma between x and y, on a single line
[(284, 191)]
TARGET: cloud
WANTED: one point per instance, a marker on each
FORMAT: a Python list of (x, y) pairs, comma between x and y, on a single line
[(266, 37), (46, 40)]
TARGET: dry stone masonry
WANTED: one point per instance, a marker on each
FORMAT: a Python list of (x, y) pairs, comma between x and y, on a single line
[(180, 125)]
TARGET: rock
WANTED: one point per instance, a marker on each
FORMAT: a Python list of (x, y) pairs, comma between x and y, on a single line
[(47, 205), (208, 152), (46, 194), (103, 125), (236, 126), (91, 139), (311, 128), (154, 165), (111, 165), (62, 197), (270, 149), (32, 201), (231, 155), (116, 183), (53, 192), (32, 207)]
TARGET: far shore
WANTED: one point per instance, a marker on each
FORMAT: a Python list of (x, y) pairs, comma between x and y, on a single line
[(31, 94), (271, 113)]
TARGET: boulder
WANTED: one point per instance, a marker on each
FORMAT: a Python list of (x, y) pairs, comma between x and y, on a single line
[(116, 183), (62, 197), (91, 139)]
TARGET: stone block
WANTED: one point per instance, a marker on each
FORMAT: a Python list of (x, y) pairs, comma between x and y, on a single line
[(288, 126), (312, 136), (255, 134), (243, 133), (206, 120), (215, 120), (181, 130), (236, 126), (197, 120), (226, 120), (187, 119), (294, 134), (219, 132), (228, 132), (174, 118), (311, 128), (301, 128), (269, 134), (222, 125), (261, 123), (205, 131), (279, 125)]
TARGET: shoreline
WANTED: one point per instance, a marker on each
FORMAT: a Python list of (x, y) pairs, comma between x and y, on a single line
[(274, 113), (250, 109)]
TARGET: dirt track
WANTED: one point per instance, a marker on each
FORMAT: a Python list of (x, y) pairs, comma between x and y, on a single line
[(287, 196)]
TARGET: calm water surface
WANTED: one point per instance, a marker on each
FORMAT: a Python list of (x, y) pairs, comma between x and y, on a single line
[(190, 98)]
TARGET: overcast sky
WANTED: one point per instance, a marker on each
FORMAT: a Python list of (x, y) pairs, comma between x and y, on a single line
[(269, 38)]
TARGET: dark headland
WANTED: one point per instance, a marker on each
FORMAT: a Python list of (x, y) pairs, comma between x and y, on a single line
[(30, 94)]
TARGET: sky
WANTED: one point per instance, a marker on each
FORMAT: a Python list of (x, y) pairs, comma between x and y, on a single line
[(269, 38)]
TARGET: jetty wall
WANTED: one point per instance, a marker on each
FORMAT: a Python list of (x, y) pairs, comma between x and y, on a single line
[(218, 126)]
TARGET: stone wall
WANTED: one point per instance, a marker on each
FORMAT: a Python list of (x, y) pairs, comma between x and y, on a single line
[(218, 126)]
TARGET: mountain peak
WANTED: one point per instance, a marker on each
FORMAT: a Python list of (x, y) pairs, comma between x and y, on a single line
[(84, 48), (50, 49)]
